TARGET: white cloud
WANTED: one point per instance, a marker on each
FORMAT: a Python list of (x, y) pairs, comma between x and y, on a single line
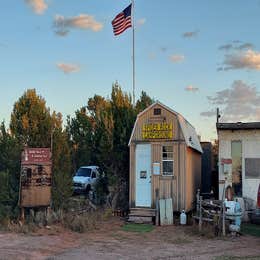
[(164, 49), (152, 55), (177, 58), (62, 33), (190, 34), (237, 45), (208, 113), (38, 6), (191, 88), (68, 68), (245, 46), (226, 47), (83, 21), (242, 60), (141, 22), (3, 44), (238, 103)]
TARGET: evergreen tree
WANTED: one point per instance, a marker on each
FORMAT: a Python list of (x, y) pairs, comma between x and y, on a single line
[(9, 173), (100, 132), (62, 177), (33, 125), (101, 115), (124, 117), (143, 102), (80, 134), (31, 121)]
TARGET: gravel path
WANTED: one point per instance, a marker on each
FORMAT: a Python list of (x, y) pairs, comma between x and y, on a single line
[(110, 242)]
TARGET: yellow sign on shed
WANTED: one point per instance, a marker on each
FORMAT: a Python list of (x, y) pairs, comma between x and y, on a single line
[(157, 131)]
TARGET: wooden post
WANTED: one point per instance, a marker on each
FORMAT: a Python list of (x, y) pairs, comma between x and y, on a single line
[(223, 219), (157, 207), (198, 199), (22, 215), (200, 212), (223, 210)]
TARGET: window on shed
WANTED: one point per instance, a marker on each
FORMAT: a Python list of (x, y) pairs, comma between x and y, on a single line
[(167, 160), (157, 111), (252, 168)]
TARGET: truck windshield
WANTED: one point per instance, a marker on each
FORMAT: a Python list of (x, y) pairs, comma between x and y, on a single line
[(85, 172)]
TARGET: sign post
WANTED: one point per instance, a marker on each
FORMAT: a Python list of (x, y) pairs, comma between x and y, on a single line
[(35, 178)]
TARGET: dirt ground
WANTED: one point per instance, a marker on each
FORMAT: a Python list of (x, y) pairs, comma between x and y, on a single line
[(110, 242)]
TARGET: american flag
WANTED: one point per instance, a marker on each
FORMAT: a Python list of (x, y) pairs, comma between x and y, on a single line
[(122, 21)]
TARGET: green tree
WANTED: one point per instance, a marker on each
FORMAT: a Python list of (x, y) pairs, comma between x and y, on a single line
[(143, 102), (62, 177), (100, 132), (9, 173), (33, 125), (4, 195), (101, 117), (31, 121), (80, 134), (124, 117)]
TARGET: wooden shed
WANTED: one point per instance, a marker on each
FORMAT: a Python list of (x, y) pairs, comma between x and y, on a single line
[(165, 160)]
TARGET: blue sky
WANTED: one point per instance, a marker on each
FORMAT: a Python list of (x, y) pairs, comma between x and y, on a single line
[(191, 55)]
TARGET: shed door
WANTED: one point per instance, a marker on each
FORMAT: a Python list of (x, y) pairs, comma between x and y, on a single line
[(143, 175)]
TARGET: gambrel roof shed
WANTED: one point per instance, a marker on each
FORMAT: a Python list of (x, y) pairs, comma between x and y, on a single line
[(188, 131), (165, 159)]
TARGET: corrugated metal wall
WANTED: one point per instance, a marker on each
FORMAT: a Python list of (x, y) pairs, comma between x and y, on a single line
[(250, 149)]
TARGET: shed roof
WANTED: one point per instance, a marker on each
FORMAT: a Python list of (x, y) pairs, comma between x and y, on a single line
[(238, 126), (190, 135), (189, 132)]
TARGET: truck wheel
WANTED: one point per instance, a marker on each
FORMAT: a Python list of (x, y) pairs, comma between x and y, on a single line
[(88, 189)]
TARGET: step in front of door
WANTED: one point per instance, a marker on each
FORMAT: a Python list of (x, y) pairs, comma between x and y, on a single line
[(140, 220), (142, 212)]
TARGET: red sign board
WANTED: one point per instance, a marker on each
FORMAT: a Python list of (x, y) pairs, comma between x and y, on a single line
[(226, 161), (36, 156)]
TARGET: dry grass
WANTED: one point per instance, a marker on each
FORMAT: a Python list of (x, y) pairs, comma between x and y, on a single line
[(18, 227), (207, 231), (107, 214), (77, 222), (83, 222)]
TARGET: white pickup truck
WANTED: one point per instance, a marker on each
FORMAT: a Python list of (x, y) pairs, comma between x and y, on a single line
[(85, 178)]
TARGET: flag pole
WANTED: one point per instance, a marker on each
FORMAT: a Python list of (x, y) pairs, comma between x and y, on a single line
[(133, 53)]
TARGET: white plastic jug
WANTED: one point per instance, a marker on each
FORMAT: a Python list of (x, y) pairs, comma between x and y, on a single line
[(183, 218)]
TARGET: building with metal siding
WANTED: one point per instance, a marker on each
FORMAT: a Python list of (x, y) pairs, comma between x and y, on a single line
[(206, 167), (239, 158)]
